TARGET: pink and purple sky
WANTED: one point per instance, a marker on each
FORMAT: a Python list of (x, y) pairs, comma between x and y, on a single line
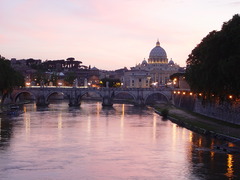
[(108, 34)]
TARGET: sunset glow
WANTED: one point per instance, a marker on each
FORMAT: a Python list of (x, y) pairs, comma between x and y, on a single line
[(107, 34)]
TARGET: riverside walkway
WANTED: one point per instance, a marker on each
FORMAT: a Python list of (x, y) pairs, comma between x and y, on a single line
[(197, 122)]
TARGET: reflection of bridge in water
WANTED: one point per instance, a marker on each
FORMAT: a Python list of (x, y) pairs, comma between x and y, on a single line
[(139, 96)]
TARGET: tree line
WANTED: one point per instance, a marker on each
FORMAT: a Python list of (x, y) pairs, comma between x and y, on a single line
[(9, 78), (213, 67)]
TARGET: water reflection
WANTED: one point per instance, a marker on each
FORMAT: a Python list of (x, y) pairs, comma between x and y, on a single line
[(122, 122), (230, 171), (27, 122), (93, 142), (60, 125), (6, 132), (209, 162), (154, 126)]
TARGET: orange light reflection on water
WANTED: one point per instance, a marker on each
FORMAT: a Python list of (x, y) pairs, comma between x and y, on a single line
[(154, 126), (230, 170), (27, 122), (212, 152), (122, 122)]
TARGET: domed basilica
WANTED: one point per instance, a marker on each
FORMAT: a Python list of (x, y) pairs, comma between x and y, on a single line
[(155, 72)]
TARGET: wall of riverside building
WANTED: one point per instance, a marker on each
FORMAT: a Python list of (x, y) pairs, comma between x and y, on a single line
[(229, 112)]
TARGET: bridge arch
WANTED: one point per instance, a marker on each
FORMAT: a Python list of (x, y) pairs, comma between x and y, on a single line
[(48, 97), (128, 96), (137, 96), (89, 93), (16, 96), (156, 97)]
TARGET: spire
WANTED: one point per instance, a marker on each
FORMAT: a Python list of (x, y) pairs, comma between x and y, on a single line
[(158, 43)]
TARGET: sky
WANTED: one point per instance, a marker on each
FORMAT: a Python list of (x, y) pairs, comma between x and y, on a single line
[(108, 34)]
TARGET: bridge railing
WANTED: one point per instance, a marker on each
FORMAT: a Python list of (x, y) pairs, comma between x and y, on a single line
[(99, 88)]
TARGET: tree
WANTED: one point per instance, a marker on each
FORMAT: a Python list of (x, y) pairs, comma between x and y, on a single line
[(40, 77), (213, 67), (9, 78), (70, 77)]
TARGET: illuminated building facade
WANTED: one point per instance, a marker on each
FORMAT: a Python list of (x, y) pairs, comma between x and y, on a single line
[(157, 70)]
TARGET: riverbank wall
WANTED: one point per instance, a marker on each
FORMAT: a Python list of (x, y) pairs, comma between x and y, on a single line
[(226, 111), (180, 122)]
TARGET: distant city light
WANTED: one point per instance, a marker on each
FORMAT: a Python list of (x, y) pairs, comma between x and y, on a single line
[(154, 83), (175, 81)]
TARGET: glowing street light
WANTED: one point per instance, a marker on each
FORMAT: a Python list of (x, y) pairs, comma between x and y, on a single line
[(155, 84), (175, 81)]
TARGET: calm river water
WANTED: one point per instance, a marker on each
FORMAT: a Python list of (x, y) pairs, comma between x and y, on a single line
[(96, 143)]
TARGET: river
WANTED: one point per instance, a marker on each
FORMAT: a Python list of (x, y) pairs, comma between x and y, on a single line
[(96, 143)]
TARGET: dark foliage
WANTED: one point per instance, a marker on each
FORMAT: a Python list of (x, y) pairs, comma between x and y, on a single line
[(9, 78), (70, 77), (164, 113), (213, 67)]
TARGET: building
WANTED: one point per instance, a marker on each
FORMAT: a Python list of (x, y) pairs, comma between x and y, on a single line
[(137, 78), (155, 72)]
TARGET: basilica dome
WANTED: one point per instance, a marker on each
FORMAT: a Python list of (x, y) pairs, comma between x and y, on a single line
[(158, 55)]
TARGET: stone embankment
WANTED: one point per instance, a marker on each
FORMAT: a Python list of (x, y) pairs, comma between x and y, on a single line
[(202, 124)]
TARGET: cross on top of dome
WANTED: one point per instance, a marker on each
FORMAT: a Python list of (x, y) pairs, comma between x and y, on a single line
[(158, 43)]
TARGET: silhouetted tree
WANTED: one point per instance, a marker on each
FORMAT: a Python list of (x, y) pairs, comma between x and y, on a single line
[(9, 78), (213, 67), (40, 77), (70, 77)]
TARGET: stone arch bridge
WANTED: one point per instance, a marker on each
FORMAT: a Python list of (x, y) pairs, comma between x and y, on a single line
[(140, 96)]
